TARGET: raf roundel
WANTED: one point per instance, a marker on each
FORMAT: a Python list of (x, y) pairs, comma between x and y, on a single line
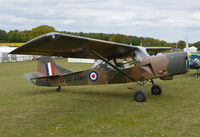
[(93, 75)]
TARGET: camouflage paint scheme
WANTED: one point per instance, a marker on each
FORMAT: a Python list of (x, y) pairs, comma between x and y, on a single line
[(63, 45), (150, 68)]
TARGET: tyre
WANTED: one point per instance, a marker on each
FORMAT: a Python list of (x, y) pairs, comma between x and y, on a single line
[(156, 90), (140, 96)]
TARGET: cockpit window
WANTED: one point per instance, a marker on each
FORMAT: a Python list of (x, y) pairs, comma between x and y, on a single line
[(120, 63)]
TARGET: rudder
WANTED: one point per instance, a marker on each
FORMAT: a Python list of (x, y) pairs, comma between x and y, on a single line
[(47, 67)]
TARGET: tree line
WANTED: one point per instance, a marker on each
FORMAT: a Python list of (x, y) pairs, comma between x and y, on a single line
[(16, 36)]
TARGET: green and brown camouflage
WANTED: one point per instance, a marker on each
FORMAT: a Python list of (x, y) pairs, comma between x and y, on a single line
[(109, 71), (151, 67)]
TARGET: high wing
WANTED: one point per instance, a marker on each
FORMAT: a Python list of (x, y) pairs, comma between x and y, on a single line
[(64, 45), (57, 44)]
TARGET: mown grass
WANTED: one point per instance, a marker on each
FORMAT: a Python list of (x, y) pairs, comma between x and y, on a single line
[(11, 44), (105, 110)]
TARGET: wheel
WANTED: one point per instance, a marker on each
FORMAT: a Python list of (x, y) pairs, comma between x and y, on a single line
[(156, 90), (197, 74), (140, 96), (58, 88)]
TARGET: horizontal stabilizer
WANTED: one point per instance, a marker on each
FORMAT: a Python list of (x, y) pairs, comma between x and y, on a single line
[(39, 80), (47, 70)]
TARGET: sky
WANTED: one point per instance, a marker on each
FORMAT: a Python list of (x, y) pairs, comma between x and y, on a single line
[(169, 20)]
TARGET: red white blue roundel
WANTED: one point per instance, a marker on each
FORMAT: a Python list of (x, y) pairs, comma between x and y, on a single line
[(93, 76)]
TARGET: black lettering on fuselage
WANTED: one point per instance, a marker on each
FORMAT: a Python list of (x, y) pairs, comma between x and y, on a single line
[(75, 78)]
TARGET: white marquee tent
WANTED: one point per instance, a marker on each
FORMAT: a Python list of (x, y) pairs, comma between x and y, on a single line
[(5, 57), (190, 49)]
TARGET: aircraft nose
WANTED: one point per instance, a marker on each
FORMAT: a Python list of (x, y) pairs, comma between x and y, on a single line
[(177, 63)]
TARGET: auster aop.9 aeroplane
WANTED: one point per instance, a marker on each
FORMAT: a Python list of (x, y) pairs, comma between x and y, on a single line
[(139, 67)]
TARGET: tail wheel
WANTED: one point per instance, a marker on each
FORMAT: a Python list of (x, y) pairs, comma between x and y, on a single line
[(58, 88), (140, 96), (156, 90)]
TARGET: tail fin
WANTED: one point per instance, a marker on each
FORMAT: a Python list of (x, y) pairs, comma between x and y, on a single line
[(47, 67)]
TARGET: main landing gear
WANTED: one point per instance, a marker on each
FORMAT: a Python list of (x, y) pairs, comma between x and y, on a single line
[(141, 96), (156, 90)]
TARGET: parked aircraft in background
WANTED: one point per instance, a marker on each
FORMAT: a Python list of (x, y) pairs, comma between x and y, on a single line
[(120, 63), (194, 63)]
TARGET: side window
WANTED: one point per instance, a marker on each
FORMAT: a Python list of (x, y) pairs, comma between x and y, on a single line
[(120, 63)]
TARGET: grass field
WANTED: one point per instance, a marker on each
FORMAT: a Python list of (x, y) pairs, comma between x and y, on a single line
[(106, 110)]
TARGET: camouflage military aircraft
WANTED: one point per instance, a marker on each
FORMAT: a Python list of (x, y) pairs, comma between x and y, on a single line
[(138, 66)]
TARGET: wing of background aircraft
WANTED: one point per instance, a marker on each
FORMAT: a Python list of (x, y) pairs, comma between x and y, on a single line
[(155, 50), (64, 45)]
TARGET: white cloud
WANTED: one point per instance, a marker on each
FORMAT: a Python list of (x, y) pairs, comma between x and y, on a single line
[(69, 21), (157, 18)]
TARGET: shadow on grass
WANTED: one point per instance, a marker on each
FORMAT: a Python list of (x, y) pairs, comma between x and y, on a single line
[(85, 91), (42, 91), (104, 93)]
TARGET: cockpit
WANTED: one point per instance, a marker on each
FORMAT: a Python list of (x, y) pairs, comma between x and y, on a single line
[(129, 61), (119, 63)]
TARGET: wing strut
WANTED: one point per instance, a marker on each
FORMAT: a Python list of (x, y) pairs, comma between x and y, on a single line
[(105, 60)]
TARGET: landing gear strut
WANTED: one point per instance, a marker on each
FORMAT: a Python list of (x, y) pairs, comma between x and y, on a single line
[(141, 95), (58, 88)]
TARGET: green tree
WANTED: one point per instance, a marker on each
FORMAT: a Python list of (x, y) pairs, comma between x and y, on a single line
[(173, 45), (196, 44), (120, 38), (181, 44), (40, 30), (150, 42), (163, 43), (12, 36), (17, 36), (2, 36), (25, 34), (135, 40)]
